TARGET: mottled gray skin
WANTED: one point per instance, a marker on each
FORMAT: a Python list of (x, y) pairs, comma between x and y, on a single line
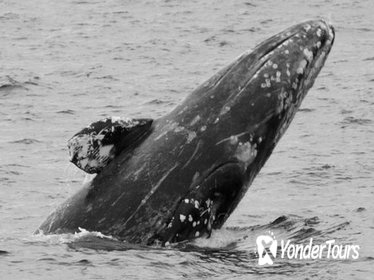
[(197, 162)]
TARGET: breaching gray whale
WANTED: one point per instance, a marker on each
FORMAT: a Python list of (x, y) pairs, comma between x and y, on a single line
[(189, 170)]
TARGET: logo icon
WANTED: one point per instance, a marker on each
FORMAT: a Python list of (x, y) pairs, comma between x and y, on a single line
[(266, 248)]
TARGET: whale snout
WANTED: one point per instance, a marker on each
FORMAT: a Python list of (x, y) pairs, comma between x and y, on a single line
[(309, 49), (314, 37), (291, 61)]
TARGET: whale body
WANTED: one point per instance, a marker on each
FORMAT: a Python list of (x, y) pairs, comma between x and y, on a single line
[(188, 172)]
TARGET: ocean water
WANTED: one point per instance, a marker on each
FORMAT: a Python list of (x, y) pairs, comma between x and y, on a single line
[(65, 64)]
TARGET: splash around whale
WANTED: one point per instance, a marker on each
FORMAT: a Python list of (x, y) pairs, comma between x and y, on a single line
[(182, 175)]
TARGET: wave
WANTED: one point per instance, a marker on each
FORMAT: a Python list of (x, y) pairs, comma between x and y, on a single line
[(67, 112), (225, 240), (355, 121), (26, 141), (8, 84)]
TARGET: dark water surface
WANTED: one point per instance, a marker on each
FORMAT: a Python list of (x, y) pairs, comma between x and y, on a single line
[(65, 64)]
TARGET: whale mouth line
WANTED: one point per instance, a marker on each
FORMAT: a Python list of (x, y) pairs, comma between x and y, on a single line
[(218, 167)]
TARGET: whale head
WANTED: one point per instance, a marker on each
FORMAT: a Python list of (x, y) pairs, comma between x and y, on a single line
[(246, 109)]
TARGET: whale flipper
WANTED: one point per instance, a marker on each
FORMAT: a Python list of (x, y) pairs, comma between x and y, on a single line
[(92, 148)]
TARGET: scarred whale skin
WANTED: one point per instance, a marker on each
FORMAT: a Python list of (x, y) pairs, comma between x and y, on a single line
[(196, 163)]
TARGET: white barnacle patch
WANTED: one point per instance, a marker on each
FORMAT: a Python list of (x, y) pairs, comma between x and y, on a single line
[(246, 153), (318, 44), (105, 151), (216, 121), (307, 27), (331, 34), (191, 136), (196, 204), (190, 219), (179, 129), (319, 32), (197, 234), (301, 68), (195, 120), (275, 66), (224, 110), (208, 202), (288, 73), (278, 75), (268, 84), (194, 224), (294, 85), (285, 100), (266, 75), (263, 85), (203, 128), (187, 201), (286, 51), (182, 218), (233, 140), (308, 54)]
